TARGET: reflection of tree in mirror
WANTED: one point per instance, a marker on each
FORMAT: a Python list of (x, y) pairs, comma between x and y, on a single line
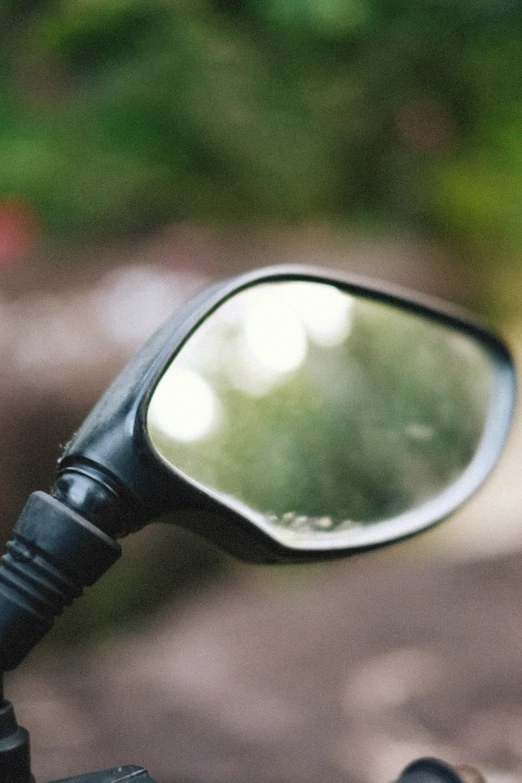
[(371, 424)]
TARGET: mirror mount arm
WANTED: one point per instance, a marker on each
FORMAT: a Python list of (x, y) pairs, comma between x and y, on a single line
[(15, 761), (86, 489), (54, 554)]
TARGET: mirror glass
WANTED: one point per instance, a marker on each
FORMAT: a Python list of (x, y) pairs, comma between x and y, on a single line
[(324, 417)]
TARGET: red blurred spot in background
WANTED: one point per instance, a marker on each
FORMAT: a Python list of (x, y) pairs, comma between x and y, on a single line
[(19, 229)]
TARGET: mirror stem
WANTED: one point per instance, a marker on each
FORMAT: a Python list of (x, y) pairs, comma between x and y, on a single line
[(15, 760), (54, 554)]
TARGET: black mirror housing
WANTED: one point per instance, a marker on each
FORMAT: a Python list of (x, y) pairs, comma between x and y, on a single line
[(111, 468)]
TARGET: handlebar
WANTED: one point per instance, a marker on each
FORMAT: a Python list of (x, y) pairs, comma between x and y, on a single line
[(425, 770), (130, 773)]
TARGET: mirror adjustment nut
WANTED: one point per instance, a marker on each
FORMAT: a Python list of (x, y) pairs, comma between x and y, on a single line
[(55, 554)]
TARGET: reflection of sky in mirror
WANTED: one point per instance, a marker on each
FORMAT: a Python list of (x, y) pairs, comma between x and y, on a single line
[(184, 406), (263, 352)]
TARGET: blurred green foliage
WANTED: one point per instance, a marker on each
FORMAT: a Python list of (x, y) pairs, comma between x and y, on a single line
[(119, 115)]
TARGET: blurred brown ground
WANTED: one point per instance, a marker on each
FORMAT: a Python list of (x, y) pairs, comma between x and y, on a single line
[(345, 673)]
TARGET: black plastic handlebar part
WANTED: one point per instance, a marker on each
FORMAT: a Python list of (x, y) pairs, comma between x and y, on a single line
[(54, 554), (15, 763), (429, 770), (131, 773)]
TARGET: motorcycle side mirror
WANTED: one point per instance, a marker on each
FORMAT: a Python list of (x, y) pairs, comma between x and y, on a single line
[(291, 414), (288, 415), (328, 418)]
